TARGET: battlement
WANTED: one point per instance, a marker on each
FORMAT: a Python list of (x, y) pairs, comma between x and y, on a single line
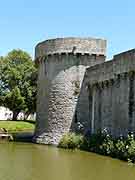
[(121, 63), (130, 54), (83, 46), (76, 86)]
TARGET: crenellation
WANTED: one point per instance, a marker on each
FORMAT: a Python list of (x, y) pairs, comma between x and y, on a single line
[(71, 45), (60, 92), (117, 82), (76, 85)]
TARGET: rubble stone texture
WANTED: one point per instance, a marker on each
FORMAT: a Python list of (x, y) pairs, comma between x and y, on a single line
[(61, 100), (78, 91)]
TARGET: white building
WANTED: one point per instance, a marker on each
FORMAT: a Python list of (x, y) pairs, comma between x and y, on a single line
[(6, 114)]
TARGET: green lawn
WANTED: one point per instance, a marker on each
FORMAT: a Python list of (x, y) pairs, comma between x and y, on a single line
[(17, 126)]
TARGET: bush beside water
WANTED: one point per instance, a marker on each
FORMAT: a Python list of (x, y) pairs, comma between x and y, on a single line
[(71, 141), (122, 148)]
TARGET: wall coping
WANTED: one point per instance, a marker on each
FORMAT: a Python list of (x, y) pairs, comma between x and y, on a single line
[(71, 45)]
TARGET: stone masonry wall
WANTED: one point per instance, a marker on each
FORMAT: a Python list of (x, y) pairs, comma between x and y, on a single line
[(60, 88), (73, 98), (111, 89), (71, 45)]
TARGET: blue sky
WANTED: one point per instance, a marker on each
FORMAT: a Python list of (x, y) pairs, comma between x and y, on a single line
[(23, 23)]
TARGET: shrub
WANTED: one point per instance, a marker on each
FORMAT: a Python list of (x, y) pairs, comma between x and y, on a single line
[(130, 146), (95, 141), (102, 143), (107, 147), (120, 149), (71, 141)]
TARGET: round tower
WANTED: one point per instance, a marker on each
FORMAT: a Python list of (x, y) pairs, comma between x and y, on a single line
[(61, 66)]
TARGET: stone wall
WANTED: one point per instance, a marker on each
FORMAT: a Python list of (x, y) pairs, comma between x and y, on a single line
[(62, 65), (73, 98), (121, 63), (71, 45), (111, 93)]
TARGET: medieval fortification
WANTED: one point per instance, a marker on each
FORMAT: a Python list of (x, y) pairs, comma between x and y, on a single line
[(78, 91)]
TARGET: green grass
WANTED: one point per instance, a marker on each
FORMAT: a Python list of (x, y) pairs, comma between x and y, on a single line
[(17, 126)]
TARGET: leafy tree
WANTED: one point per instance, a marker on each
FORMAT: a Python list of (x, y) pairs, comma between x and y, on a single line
[(14, 101), (18, 82)]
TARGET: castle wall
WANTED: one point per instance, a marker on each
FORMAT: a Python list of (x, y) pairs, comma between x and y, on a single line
[(112, 86), (60, 79), (60, 89), (71, 45), (79, 92)]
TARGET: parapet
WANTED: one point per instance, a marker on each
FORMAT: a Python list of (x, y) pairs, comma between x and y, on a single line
[(121, 64), (130, 54), (71, 45)]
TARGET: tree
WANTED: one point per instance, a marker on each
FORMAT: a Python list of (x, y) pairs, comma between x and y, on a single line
[(15, 102), (18, 83)]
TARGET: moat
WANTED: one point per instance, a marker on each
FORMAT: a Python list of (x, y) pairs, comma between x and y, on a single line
[(26, 161)]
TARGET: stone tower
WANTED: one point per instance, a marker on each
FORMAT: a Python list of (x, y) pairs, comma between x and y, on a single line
[(61, 66)]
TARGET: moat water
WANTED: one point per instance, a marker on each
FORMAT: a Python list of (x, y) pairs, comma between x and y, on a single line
[(23, 161)]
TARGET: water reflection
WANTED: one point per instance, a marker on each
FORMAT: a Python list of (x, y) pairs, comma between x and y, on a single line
[(37, 162)]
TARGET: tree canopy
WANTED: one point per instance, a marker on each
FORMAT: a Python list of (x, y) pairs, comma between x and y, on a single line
[(18, 76)]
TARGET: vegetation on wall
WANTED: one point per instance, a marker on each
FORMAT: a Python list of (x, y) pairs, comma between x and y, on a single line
[(76, 87)]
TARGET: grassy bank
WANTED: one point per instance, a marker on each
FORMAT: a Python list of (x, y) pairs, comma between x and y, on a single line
[(122, 148), (17, 126)]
